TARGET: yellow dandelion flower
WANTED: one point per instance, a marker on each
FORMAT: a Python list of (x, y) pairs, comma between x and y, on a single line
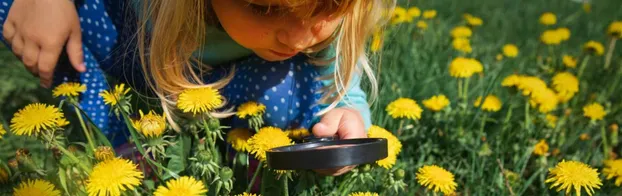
[(473, 20), (574, 175), (34, 118), (400, 15), (199, 100), (250, 109), (551, 37), (363, 194), (491, 103), (461, 32), (113, 96), (510, 50), (462, 45), (62, 122), (436, 103), (429, 14), (394, 145), (413, 12), (546, 100), (103, 153), (499, 57), (566, 85), (422, 24), (376, 42), (404, 108), (113, 177), (151, 125), (594, 47), (265, 139), (551, 120), (247, 194), (530, 85), (36, 187), (541, 148), (594, 111), (564, 33), (183, 186), (299, 133), (238, 138), (511, 80), (569, 61), (548, 19), (4, 176), (69, 89), (462, 67), (584, 136), (437, 179), (614, 30), (613, 169), (2, 131)]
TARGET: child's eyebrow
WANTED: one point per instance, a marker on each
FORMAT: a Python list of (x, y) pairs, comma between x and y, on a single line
[(265, 2)]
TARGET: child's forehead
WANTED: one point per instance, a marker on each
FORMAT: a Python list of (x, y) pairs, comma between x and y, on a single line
[(275, 2)]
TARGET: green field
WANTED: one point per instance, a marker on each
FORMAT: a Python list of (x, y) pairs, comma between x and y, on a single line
[(470, 143)]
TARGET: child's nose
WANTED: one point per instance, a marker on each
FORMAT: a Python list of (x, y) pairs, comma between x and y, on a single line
[(299, 34)]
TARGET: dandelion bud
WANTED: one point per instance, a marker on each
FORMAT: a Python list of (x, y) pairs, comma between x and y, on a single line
[(214, 124), (13, 164), (225, 173), (103, 153), (4, 176), (399, 174), (567, 112), (366, 168), (204, 156), (72, 148), (613, 127)]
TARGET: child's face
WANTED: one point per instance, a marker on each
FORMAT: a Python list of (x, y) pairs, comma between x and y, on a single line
[(276, 33)]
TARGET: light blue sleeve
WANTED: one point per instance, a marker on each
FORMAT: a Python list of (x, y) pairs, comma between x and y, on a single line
[(355, 97)]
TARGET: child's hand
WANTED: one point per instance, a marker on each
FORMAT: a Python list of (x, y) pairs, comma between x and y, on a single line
[(37, 30), (346, 123)]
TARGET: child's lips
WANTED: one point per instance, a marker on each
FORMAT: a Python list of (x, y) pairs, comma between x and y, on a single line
[(286, 55)]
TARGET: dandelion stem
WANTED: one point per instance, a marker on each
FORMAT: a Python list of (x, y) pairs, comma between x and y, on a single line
[(483, 124), (507, 181), (527, 117), (72, 157), (399, 129), (285, 186), (603, 135), (583, 64), (612, 45), (87, 133), (257, 171)]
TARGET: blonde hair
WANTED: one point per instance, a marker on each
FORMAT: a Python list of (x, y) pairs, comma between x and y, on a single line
[(176, 30)]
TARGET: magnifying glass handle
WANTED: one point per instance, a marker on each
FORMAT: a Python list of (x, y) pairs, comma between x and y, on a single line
[(319, 139)]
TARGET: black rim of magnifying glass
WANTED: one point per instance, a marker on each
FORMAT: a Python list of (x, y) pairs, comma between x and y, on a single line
[(308, 156)]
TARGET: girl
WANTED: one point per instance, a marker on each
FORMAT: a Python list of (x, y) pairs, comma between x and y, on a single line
[(303, 59)]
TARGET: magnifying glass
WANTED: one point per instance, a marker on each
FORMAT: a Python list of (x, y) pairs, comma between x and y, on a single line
[(327, 153)]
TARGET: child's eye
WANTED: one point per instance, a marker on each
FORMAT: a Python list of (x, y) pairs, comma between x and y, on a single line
[(260, 9)]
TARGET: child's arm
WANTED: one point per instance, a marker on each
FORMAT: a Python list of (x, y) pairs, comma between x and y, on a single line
[(37, 31)]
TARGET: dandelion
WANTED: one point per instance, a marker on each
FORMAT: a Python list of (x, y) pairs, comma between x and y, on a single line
[(399, 15), (394, 145), (546, 100), (584, 136), (199, 100), (461, 32), (510, 50), (429, 14), (247, 194), (574, 175), (613, 169), (265, 139), (511, 80), (113, 97), (250, 109), (541, 148), (2, 131), (464, 67), (436, 103), (566, 85), (404, 108), (363, 194), (437, 179), (614, 30), (569, 61), (4, 176), (531, 85), (551, 120), (238, 138), (462, 45), (151, 125), (35, 118), (491, 103), (113, 177), (413, 12), (376, 42), (62, 122), (548, 19), (298, 133), (564, 33), (551, 37), (499, 57), (422, 24), (103, 153), (183, 186), (36, 187), (594, 48), (69, 89), (594, 111), (473, 20)]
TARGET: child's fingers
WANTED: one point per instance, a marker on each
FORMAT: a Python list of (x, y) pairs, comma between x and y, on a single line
[(31, 53), (329, 124), (17, 45), (74, 49), (352, 126), (47, 61), (8, 31)]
